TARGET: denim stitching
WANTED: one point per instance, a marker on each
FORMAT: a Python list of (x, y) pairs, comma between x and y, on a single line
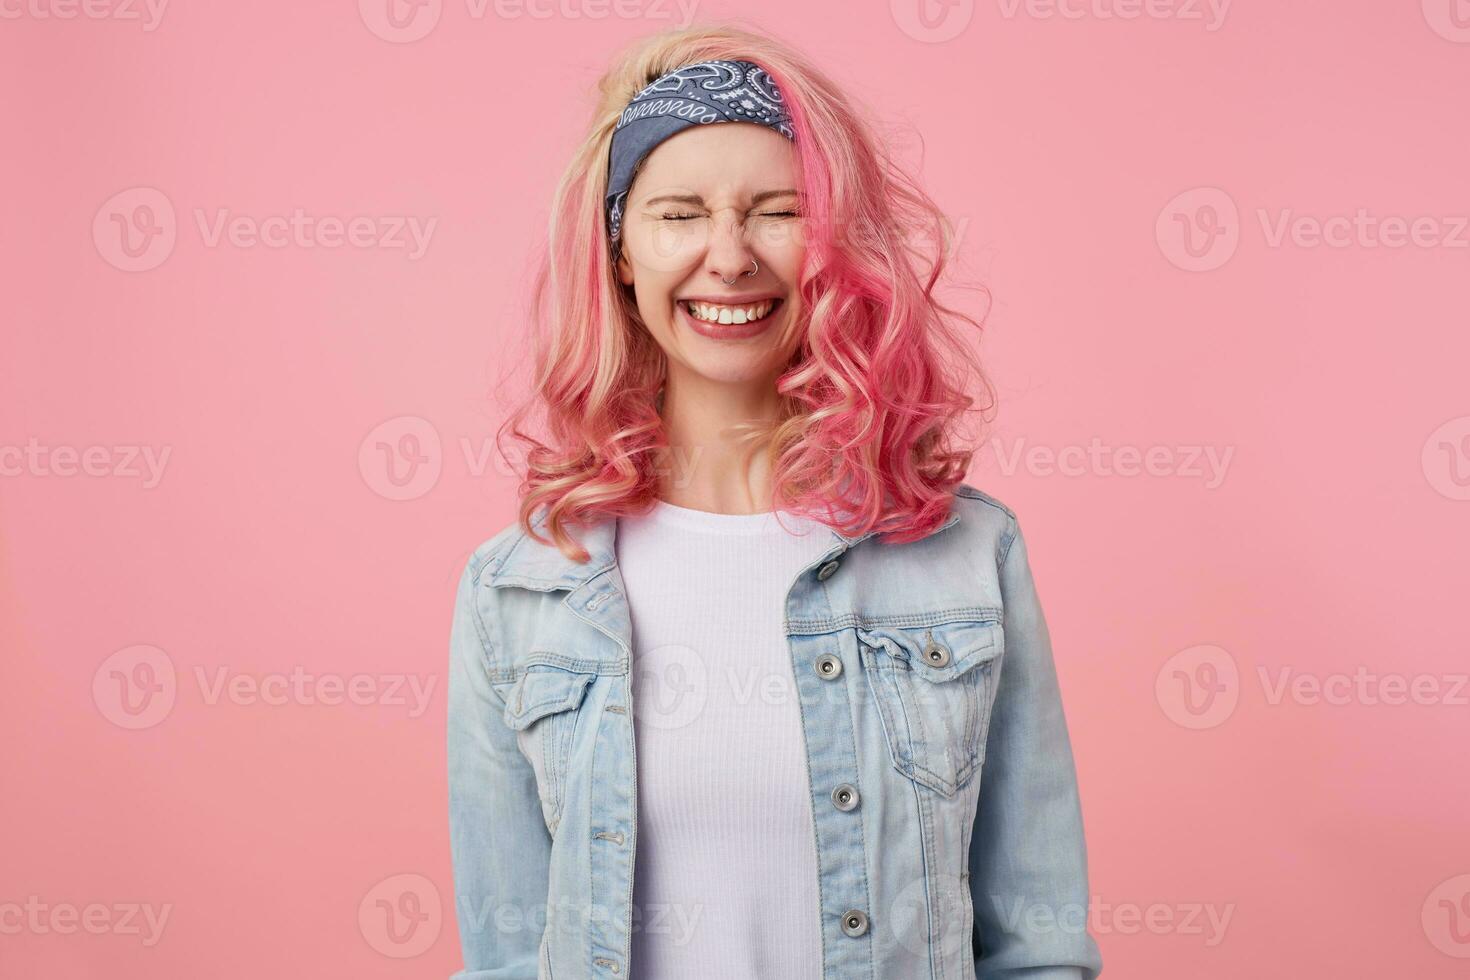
[(862, 837), (926, 855), (906, 759), (940, 617)]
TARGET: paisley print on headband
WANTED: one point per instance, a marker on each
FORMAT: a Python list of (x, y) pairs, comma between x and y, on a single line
[(694, 95)]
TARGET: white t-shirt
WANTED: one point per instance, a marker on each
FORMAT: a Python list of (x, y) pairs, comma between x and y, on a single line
[(725, 881)]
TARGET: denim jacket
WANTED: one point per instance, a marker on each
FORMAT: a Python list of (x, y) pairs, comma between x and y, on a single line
[(949, 832)]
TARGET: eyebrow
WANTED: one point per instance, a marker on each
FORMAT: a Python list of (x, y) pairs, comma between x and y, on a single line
[(695, 199)]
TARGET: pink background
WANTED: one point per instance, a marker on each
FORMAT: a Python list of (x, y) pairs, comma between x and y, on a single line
[(1326, 833)]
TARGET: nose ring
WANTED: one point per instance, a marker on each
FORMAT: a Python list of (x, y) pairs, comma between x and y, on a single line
[(731, 282)]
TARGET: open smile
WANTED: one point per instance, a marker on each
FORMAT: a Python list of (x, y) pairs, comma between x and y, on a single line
[(723, 313), (730, 321)]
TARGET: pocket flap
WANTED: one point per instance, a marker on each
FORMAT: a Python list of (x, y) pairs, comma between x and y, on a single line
[(937, 653), (542, 691)]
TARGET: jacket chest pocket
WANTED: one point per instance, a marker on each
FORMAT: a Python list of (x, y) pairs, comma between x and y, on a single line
[(542, 706), (934, 687)]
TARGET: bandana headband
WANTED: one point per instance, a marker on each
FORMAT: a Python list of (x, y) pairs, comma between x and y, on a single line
[(695, 95)]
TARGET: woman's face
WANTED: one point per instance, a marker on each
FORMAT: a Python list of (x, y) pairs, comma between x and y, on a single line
[(709, 204)]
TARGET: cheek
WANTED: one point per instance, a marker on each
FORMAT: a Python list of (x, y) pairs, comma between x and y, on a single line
[(783, 244), (784, 256), (656, 309), (666, 248), (655, 299)]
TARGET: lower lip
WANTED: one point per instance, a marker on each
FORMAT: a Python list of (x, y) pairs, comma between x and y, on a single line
[(729, 331)]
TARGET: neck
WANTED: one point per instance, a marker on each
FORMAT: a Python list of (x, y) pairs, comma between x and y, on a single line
[(718, 459)]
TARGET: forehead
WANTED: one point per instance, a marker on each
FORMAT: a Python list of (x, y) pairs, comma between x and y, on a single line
[(735, 156)]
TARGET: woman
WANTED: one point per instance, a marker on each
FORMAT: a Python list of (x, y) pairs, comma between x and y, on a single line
[(756, 687)]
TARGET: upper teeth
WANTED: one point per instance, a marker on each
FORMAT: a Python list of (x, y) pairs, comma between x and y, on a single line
[(718, 313)]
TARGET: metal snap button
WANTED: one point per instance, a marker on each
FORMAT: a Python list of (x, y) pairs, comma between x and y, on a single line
[(854, 922), (845, 797), (828, 666), (936, 655), (825, 572)]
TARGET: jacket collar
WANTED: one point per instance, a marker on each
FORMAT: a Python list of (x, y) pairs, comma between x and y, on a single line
[(532, 564)]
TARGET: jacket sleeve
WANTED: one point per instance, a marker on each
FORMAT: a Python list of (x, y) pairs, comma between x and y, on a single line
[(1028, 859), (500, 847)]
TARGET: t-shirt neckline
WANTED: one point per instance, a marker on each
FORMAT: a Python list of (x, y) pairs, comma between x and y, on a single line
[(712, 522)]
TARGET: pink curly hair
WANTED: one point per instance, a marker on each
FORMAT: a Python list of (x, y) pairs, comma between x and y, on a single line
[(873, 393)]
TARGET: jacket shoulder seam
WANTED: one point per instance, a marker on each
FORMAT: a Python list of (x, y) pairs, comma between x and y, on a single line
[(486, 558), (1012, 529), (494, 552), (973, 493), (1012, 522)]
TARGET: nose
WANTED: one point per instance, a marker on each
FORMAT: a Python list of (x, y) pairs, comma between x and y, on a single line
[(728, 254)]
